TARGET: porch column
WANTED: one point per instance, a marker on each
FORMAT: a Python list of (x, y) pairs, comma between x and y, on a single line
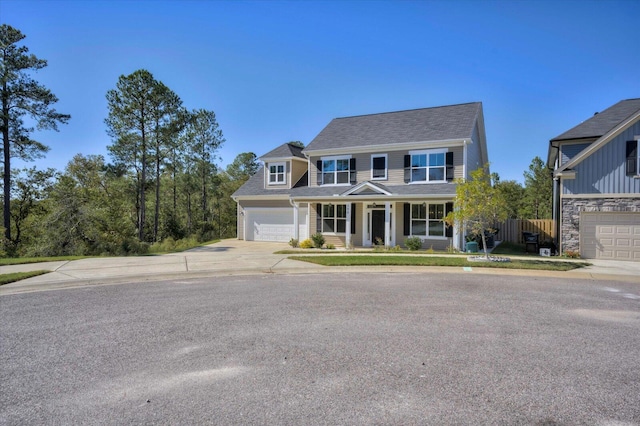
[(387, 224), (347, 241), (296, 226)]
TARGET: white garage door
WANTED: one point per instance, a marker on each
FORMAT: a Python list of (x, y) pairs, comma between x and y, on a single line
[(610, 235), (269, 224)]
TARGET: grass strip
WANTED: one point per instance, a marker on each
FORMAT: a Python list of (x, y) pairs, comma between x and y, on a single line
[(17, 276), (24, 260), (390, 260)]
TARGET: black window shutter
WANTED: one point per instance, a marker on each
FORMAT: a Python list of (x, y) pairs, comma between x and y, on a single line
[(407, 170), (319, 175), (352, 171), (632, 158), (449, 162), (319, 217), (448, 208), (407, 219), (353, 218)]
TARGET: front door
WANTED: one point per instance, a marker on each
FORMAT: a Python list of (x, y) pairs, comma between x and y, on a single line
[(377, 227)]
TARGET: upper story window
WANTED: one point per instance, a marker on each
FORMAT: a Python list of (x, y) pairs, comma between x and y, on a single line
[(427, 167), (432, 166), (337, 171), (277, 175), (633, 158), (379, 167)]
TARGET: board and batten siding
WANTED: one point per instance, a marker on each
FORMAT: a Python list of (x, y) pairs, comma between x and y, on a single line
[(568, 151), (603, 172)]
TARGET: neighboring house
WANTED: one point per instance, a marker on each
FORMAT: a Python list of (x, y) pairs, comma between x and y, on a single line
[(596, 170), (366, 180)]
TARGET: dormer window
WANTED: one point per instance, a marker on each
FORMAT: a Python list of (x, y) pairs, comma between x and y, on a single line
[(277, 174)]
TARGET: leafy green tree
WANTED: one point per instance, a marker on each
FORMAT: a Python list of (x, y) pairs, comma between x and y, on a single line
[(478, 205), (88, 213), (538, 191), (21, 96), (30, 189), (513, 194), (243, 167), (296, 143)]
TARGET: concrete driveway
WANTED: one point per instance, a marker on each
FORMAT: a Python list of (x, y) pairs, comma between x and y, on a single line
[(235, 257)]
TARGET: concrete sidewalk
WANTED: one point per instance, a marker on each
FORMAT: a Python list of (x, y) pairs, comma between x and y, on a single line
[(234, 257)]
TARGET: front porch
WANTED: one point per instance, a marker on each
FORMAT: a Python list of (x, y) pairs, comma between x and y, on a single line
[(369, 222)]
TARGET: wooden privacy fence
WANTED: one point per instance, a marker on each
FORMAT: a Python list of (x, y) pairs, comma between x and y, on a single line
[(511, 230)]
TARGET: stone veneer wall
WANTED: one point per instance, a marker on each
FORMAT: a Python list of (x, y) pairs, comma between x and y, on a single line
[(571, 208)]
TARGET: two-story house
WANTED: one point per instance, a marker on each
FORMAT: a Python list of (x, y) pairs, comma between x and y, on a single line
[(367, 180), (596, 171)]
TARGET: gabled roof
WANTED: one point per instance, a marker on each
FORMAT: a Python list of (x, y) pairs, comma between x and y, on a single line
[(418, 125), (286, 150), (603, 129), (602, 123)]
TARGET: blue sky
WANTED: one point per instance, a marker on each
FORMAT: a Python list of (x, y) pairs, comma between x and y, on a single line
[(277, 71)]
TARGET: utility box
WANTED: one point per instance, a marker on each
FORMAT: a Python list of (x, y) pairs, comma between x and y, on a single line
[(472, 247)]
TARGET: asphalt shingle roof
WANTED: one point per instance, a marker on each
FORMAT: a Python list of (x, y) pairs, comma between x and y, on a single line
[(418, 125), (285, 150), (603, 122)]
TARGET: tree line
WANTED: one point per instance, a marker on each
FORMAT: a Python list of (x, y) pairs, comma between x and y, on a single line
[(160, 183)]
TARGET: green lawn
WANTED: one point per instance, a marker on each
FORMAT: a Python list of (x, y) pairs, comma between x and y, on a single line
[(375, 259), (23, 260), (17, 276)]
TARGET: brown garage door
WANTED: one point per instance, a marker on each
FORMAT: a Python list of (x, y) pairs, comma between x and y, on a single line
[(610, 235)]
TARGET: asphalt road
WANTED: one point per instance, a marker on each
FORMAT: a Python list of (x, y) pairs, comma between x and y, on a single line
[(324, 349)]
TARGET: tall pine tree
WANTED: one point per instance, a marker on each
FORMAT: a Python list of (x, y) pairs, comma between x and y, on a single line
[(21, 96)]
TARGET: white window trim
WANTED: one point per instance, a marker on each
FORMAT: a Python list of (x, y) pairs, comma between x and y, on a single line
[(637, 175), (428, 237), (335, 219), (386, 166), (428, 152), (335, 172), (284, 173)]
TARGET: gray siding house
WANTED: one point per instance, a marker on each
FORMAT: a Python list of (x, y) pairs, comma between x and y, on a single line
[(366, 180), (596, 170)]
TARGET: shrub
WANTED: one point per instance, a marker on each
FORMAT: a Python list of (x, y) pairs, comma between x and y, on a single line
[(306, 244), (430, 250), (413, 243), (571, 254), (331, 246), (318, 240), (293, 243)]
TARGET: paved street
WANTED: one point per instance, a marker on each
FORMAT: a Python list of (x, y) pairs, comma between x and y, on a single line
[(340, 348)]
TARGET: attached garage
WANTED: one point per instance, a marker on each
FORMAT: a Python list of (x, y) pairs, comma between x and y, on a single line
[(610, 235), (273, 224)]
